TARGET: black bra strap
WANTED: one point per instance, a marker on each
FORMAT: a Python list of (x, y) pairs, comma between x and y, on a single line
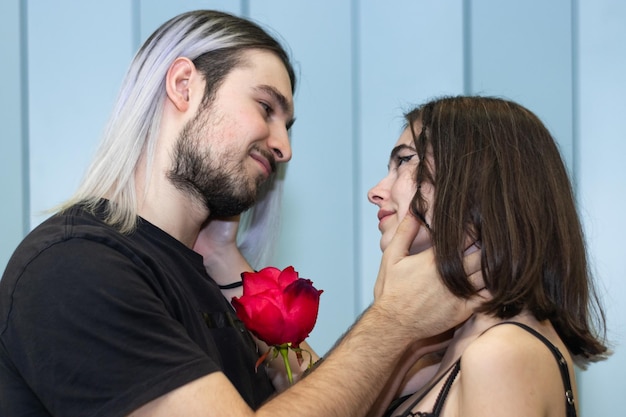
[(443, 394), (569, 393), (453, 371)]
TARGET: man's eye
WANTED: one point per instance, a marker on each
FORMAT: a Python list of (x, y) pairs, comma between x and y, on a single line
[(268, 109)]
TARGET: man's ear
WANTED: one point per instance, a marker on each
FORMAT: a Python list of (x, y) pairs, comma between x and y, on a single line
[(178, 82)]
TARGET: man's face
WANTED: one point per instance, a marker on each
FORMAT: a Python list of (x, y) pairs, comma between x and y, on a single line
[(232, 146)]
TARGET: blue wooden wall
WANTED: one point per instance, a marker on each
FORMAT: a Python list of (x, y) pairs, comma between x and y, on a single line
[(360, 63)]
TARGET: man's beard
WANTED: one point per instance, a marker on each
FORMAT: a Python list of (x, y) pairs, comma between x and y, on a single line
[(222, 188)]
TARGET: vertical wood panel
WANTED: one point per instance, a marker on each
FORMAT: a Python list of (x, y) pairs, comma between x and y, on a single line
[(523, 51), (13, 136), (348, 113), (602, 185), (76, 63), (153, 13), (410, 51), (317, 233)]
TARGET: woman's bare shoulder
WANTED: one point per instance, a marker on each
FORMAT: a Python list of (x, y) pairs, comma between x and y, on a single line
[(510, 369)]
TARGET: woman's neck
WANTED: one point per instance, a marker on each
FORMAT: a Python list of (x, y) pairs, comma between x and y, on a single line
[(476, 325)]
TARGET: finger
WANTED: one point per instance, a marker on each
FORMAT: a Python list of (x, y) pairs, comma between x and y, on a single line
[(472, 263), (472, 266), (404, 236), (477, 281), (234, 218)]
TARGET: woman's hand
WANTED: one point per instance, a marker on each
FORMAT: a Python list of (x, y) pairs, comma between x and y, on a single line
[(276, 367), (216, 235), (217, 243)]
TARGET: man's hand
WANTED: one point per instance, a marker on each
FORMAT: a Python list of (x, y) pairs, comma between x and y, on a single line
[(410, 289)]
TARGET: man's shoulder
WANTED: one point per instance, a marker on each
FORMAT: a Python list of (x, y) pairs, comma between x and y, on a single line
[(74, 245), (65, 250), (59, 229)]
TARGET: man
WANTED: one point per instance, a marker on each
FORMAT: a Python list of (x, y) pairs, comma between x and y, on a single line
[(106, 309)]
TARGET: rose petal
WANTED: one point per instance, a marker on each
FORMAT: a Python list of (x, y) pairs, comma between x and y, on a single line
[(278, 306), (287, 276), (301, 304), (262, 317), (256, 282)]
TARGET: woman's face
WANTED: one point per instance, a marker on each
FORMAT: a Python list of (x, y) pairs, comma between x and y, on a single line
[(393, 194)]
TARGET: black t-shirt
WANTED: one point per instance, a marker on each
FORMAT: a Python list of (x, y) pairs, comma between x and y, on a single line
[(95, 323)]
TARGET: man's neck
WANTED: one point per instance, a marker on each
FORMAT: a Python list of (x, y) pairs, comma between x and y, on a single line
[(173, 212)]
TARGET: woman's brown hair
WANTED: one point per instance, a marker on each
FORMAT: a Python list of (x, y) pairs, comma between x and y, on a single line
[(499, 178)]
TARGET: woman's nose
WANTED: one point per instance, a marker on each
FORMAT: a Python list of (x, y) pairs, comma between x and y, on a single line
[(377, 193)]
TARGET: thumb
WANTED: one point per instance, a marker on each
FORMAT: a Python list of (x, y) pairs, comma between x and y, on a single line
[(397, 249), (403, 238)]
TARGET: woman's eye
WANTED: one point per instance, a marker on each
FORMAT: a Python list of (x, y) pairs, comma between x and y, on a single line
[(402, 159)]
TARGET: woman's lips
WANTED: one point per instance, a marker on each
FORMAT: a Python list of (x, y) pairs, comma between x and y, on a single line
[(383, 214)]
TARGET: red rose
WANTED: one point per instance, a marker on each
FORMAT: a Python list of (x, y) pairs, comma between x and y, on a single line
[(277, 306)]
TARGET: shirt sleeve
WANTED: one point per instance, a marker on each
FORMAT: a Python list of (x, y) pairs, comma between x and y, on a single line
[(91, 336)]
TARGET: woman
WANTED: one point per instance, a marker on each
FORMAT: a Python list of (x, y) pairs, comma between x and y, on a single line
[(484, 173)]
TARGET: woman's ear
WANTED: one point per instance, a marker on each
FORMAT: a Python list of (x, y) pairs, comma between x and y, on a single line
[(178, 82)]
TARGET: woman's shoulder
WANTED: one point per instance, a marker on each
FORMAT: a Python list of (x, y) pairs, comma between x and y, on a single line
[(511, 344), (511, 368)]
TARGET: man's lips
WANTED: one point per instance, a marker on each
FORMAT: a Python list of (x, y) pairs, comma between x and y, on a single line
[(268, 167)]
